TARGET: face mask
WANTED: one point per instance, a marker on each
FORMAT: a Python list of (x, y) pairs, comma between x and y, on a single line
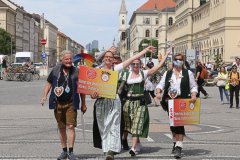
[(178, 64)]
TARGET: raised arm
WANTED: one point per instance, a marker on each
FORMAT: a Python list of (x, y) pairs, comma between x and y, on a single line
[(156, 68), (139, 55)]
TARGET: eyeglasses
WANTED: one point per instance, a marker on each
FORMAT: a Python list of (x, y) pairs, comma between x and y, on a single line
[(135, 64), (234, 68), (109, 57)]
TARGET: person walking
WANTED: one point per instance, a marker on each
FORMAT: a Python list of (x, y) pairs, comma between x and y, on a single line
[(221, 83), (234, 78), (107, 112), (200, 80), (136, 113), (181, 80), (64, 99)]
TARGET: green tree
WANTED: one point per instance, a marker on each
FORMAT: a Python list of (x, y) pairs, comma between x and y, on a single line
[(5, 42), (152, 42), (218, 60), (93, 51)]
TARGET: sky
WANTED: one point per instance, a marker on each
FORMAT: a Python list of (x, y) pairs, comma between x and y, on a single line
[(83, 20)]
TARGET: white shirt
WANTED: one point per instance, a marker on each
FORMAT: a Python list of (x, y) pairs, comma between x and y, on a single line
[(175, 83), (149, 86), (138, 79)]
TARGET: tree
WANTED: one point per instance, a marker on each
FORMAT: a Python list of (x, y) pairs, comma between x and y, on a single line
[(5, 42), (218, 60), (93, 51), (152, 42)]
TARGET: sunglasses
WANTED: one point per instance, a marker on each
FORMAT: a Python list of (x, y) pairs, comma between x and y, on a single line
[(135, 64), (234, 68), (178, 59)]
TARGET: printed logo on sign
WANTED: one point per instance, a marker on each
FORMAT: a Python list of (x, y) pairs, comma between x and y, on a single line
[(182, 105), (191, 105), (91, 74), (105, 76)]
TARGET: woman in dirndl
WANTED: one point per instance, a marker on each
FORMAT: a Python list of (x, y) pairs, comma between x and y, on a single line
[(136, 115), (107, 112)]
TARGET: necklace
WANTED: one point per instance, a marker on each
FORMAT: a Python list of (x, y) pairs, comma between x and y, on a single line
[(58, 90)]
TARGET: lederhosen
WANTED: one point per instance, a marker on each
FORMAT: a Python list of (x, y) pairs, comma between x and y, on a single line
[(136, 115), (185, 93)]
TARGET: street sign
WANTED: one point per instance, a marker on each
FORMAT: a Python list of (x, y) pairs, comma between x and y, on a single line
[(43, 41), (43, 55)]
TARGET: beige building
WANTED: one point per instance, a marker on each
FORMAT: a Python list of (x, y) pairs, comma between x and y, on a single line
[(61, 44), (7, 19), (145, 23), (211, 28), (18, 25), (50, 34)]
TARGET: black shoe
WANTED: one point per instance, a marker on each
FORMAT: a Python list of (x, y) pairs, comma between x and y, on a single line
[(125, 144), (177, 152), (132, 152), (110, 155), (173, 149), (231, 106)]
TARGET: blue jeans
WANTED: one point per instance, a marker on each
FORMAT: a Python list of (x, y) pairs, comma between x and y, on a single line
[(221, 90)]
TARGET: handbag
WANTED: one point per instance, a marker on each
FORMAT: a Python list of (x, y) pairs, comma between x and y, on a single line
[(221, 83), (148, 99)]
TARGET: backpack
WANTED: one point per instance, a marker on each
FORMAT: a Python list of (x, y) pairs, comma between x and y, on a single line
[(204, 73)]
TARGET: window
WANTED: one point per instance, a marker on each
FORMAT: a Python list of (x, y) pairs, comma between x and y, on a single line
[(156, 33), (157, 21), (147, 34), (123, 36), (146, 21), (170, 21), (123, 22)]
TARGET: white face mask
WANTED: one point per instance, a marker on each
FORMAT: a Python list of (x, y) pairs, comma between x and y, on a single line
[(177, 63)]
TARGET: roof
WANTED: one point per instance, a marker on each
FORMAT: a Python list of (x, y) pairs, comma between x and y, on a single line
[(154, 7), (3, 4), (157, 4)]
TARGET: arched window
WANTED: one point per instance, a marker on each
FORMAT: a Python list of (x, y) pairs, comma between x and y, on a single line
[(147, 34), (157, 33), (123, 22), (170, 21)]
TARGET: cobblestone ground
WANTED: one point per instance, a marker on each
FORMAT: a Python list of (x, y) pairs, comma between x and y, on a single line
[(28, 130)]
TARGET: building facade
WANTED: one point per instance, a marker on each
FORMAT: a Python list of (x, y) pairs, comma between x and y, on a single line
[(145, 23), (208, 27)]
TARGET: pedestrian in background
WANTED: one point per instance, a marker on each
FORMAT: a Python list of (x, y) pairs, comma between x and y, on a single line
[(4, 66), (221, 83), (183, 83), (234, 78), (200, 80), (64, 99)]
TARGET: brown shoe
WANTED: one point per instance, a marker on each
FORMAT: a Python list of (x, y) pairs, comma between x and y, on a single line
[(110, 155)]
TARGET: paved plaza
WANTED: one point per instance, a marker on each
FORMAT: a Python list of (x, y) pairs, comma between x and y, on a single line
[(29, 131)]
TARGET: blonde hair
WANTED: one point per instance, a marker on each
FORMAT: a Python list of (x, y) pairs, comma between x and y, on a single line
[(66, 52)]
